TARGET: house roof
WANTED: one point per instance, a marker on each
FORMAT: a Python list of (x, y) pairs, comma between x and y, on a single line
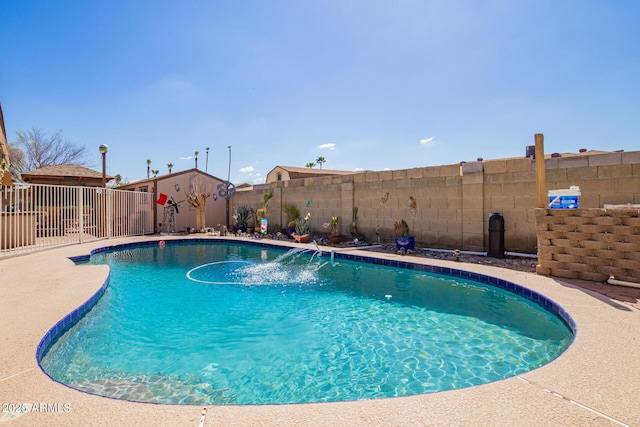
[(297, 172), (133, 184), (62, 171)]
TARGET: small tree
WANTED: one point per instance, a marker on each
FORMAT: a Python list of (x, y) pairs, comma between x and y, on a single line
[(34, 149), (170, 165), (320, 160), (155, 172), (197, 197), (148, 167), (196, 155), (310, 164)]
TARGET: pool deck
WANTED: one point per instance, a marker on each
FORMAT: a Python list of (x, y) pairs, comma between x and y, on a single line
[(596, 382)]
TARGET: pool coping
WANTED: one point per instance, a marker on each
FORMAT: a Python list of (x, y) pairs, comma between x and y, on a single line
[(589, 384)]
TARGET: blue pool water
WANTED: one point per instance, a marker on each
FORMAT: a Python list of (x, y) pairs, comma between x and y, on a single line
[(240, 324)]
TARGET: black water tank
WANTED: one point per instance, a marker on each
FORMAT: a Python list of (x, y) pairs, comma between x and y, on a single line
[(496, 236)]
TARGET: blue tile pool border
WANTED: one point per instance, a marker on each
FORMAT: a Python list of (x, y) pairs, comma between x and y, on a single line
[(67, 322), (72, 318)]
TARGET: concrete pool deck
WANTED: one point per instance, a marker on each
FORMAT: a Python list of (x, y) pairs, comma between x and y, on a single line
[(596, 382)]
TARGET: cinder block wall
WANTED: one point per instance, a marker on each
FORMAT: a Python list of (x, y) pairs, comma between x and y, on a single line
[(454, 202), (589, 244)]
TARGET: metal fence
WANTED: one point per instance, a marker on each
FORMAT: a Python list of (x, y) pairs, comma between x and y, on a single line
[(35, 217)]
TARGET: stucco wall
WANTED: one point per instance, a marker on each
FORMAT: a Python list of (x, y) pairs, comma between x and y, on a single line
[(454, 202)]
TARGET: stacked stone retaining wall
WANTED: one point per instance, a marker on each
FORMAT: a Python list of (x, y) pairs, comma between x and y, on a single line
[(589, 244)]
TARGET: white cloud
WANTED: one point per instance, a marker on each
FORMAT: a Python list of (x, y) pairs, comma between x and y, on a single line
[(427, 141), (247, 169), (329, 146), (186, 158), (358, 169)]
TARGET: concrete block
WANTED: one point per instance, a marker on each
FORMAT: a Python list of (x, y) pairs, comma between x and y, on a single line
[(564, 273), (439, 226), (581, 174), (617, 171), (495, 166), (450, 170), (473, 204), (519, 164), (473, 190), (524, 176), (472, 178), (608, 159), (476, 215), (593, 276), (453, 180), (360, 177), (499, 178), (573, 162), (501, 202), (473, 243), (431, 171), (389, 184), (556, 175), (404, 183), (373, 176), (437, 181), (439, 202), (553, 163), (471, 167), (399, 174), (415, 173)]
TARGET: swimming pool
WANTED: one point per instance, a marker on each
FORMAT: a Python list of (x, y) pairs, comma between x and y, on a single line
[(229, 323)]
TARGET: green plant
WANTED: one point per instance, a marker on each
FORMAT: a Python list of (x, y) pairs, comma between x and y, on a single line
[(353, 227), (252, 219), (302, 225), (261, 213), (291, 211), (242, 215), (334, 226), (401, 228), (266, 197)]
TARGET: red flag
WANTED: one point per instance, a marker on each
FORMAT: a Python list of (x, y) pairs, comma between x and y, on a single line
[(162, 199)]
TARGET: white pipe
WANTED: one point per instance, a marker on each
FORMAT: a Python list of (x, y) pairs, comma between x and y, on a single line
[(521, 255), (451, 251), (613, 281), (355, 248)]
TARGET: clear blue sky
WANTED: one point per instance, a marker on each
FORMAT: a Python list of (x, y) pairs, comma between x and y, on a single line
[(366, 84)]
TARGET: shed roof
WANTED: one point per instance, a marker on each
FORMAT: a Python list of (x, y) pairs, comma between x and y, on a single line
[(62, 171)]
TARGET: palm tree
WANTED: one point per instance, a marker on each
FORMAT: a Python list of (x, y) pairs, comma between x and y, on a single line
[(320, 160), (310, 164), (196, 153), (155, 172), (206, 165), (169, 165), (148, 167), (118, 179)]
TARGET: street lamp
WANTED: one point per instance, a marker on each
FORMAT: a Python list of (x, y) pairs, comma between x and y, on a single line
[(103, 150)]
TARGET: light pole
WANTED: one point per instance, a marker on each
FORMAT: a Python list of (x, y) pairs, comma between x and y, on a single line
[(103, 150)]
